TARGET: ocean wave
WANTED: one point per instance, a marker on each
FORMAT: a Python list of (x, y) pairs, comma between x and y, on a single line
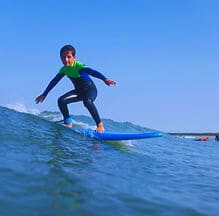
[(48, 169)]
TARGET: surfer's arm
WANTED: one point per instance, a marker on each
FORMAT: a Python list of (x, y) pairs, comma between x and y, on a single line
[(51, 85), (97, 74)]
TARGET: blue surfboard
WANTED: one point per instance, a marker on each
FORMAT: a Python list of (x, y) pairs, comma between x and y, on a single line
[(115, 136), (111, 135)]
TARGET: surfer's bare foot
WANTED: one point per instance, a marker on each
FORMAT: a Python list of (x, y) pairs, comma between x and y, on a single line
[(68, 122), (100, 128), (68, 125)]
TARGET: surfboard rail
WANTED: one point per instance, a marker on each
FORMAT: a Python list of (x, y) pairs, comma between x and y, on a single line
[(125, 136), (111, 136), (116, 136)]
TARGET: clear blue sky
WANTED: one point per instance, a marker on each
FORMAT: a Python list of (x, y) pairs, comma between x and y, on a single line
[(163, 55)]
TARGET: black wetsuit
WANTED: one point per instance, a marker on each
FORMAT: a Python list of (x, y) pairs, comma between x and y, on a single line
[(85, 90)]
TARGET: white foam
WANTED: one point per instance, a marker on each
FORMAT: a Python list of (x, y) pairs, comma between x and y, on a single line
[(22, 108), (128, 143), (84, 125)]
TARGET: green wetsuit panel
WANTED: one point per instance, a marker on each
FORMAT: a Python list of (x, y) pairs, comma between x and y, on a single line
[(73, 70)]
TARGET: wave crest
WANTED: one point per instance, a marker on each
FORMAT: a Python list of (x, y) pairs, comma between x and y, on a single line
[(19, 107)]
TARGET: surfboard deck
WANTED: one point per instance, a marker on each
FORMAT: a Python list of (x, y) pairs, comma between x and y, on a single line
[(125, 136), (113, 135)]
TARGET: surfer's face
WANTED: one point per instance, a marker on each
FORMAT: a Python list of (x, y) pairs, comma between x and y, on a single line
[(68, 58)]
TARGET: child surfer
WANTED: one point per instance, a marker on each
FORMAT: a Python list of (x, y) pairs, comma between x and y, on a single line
[(85, 89)]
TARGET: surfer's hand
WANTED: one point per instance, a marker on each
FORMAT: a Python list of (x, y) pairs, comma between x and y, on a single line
[(40, 99), (109, 82)]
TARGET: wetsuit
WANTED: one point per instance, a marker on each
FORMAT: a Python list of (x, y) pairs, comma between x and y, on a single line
[(85, 90)]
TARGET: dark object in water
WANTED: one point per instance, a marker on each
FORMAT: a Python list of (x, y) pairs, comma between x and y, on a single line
[(202, 139)]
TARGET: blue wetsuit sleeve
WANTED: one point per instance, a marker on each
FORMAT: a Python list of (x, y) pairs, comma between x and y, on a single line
[(94, 73), (52, 83)]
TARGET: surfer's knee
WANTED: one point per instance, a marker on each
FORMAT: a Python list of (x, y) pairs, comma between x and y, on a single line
[(61, 101)]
